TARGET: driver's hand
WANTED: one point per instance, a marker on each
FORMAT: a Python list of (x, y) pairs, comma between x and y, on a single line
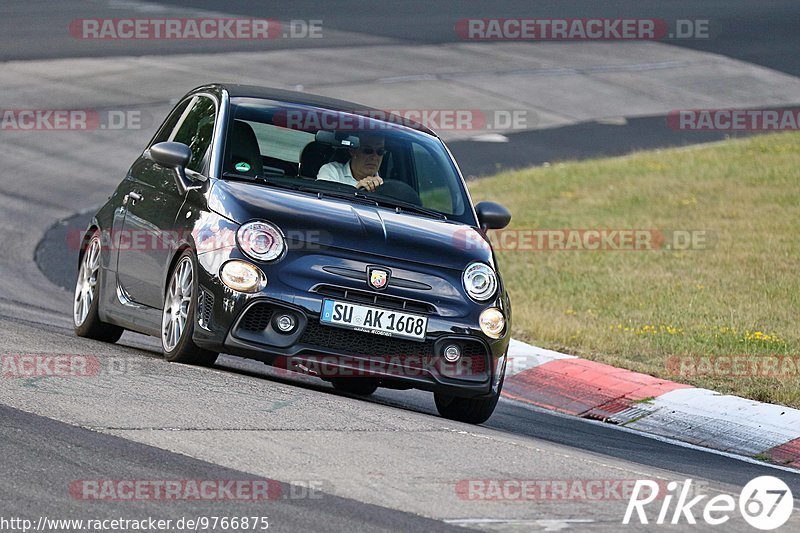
[(370, 183)]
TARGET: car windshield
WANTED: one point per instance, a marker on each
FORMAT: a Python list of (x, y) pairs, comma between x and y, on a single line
[(323, 151)]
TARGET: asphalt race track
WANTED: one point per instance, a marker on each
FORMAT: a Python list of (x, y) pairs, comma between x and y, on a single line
[(743, 30), (339, 463), (764, 34)]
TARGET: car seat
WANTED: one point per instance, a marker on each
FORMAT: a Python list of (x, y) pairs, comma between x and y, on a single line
[(244, 154)]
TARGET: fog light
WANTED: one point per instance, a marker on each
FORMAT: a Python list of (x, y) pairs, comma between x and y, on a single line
[(452, 353), (285, 323), (242, 276), (492, 322)]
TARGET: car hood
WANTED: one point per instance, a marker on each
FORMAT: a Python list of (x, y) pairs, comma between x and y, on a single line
[(357, 227)]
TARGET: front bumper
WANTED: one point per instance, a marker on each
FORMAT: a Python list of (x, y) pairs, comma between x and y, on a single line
[(242, 324)]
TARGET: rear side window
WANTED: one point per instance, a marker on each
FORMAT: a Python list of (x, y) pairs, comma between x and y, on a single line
[(197, 130), (281, 143)]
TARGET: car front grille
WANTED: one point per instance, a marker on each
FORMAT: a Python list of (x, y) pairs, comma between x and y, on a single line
[(375, 298), (338, 339), (320, 338), (369, 345)]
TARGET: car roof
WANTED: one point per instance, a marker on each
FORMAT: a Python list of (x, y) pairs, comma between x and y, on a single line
[(301, 98)]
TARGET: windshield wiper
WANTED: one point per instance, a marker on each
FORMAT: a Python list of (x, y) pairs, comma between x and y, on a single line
[(363, 198), (352, 196), (263, 179), (239, 177), (399, 205), (293, 187), (356, 196)]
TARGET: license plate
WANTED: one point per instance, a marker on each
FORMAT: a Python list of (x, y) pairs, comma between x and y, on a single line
[(368, 319)]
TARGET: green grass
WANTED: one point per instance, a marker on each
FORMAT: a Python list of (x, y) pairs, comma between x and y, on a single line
[(740, 295)]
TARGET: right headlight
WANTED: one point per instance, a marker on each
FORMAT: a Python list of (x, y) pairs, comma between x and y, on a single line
[(242, 276), (261, 241), (480, 281), (492, 322)]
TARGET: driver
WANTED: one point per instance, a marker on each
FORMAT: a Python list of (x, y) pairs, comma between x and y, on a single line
[(361, 171)]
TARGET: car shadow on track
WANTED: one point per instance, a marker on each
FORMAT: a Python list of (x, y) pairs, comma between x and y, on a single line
[(517, 419)]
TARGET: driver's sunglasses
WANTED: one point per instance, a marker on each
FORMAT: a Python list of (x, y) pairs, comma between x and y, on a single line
[(377, 151)]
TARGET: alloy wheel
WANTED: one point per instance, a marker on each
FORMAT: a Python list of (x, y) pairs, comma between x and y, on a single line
[(87, 282), (176, 305)]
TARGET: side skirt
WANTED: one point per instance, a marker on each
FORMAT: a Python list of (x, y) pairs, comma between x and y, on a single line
[(117, 308)]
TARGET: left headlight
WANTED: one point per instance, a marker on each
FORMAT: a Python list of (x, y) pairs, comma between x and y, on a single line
[(480, 281), (242, 276), (261, 241)]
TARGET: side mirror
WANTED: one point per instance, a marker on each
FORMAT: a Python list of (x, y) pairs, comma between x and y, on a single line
[(171, 154), (175, 156), (492, 215)]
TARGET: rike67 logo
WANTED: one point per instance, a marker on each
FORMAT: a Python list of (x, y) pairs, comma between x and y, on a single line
[(765, 503)]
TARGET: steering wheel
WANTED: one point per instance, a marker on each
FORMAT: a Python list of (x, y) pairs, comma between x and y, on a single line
[(399, 190)]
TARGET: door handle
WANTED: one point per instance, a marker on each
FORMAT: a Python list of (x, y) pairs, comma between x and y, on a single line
[(133, 197)]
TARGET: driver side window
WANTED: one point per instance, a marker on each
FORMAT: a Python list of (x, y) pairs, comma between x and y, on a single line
[(196, 131), (168, 127)]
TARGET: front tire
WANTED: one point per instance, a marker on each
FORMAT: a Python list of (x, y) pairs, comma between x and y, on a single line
[(85, 316), (178, 316), (469, 410)]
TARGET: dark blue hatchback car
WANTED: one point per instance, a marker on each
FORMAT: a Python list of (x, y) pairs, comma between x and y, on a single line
[(311, 234)]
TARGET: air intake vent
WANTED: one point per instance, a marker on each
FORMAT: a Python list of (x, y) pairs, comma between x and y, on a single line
[(205, 308), (365, 344), (257, 318)]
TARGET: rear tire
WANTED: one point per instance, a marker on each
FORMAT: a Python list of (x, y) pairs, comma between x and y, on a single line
[(178, 315), (357, 386), (85, 315)]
